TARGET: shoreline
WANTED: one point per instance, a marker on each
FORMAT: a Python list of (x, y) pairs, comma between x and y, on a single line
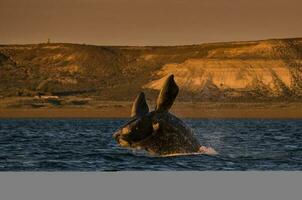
[(182, 111)]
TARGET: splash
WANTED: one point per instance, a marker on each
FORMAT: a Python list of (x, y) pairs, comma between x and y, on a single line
[(202, 151)]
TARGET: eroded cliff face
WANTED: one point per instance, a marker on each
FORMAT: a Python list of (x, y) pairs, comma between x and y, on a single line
[(266, 69), (271, 78), (244, 71)]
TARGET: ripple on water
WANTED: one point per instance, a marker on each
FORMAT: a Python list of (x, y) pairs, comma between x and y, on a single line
[(87, 145)]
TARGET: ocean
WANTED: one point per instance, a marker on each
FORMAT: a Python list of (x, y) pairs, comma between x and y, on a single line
[(87, 145)]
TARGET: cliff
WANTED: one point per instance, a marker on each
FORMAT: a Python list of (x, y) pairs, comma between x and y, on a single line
[(233, 71)]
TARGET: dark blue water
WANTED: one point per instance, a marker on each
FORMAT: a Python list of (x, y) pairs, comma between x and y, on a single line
[(87, 145)]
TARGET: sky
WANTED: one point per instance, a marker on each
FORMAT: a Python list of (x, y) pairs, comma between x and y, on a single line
[(147, 22)]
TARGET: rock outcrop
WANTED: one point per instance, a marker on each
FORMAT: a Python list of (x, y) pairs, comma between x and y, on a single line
[(241, 71)]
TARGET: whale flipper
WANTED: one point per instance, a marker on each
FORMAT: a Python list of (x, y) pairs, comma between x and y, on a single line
[(140, 106), (167, 95)]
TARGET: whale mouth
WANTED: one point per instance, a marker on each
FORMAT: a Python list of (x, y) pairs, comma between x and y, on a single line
[(122, 142)]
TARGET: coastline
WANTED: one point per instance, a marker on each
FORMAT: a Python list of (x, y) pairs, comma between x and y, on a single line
[(180, 109)]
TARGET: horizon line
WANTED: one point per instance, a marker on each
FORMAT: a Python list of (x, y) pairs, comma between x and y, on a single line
[(173, 45)]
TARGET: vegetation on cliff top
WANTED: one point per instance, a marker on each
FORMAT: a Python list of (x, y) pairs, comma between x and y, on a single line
[(233, 71)]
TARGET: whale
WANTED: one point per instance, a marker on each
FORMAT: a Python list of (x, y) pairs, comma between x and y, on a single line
[(159, 132)]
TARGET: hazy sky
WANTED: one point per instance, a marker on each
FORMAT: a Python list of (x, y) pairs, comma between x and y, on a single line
[(148, 22)]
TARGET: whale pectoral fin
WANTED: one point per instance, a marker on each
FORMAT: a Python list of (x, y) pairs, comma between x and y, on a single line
[(140, 106), (167, 95)]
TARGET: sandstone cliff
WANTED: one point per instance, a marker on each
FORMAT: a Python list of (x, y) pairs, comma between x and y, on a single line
[(233, 71)]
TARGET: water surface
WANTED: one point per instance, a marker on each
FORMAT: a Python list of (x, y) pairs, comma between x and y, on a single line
[(87, 145)]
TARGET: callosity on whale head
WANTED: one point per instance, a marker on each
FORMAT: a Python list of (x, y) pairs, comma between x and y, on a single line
[(159, 132)]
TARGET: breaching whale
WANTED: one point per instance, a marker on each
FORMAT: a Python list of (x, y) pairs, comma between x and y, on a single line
[(159, 132)]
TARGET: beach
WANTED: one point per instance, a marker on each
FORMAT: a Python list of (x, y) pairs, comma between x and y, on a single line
[(116, 109)]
